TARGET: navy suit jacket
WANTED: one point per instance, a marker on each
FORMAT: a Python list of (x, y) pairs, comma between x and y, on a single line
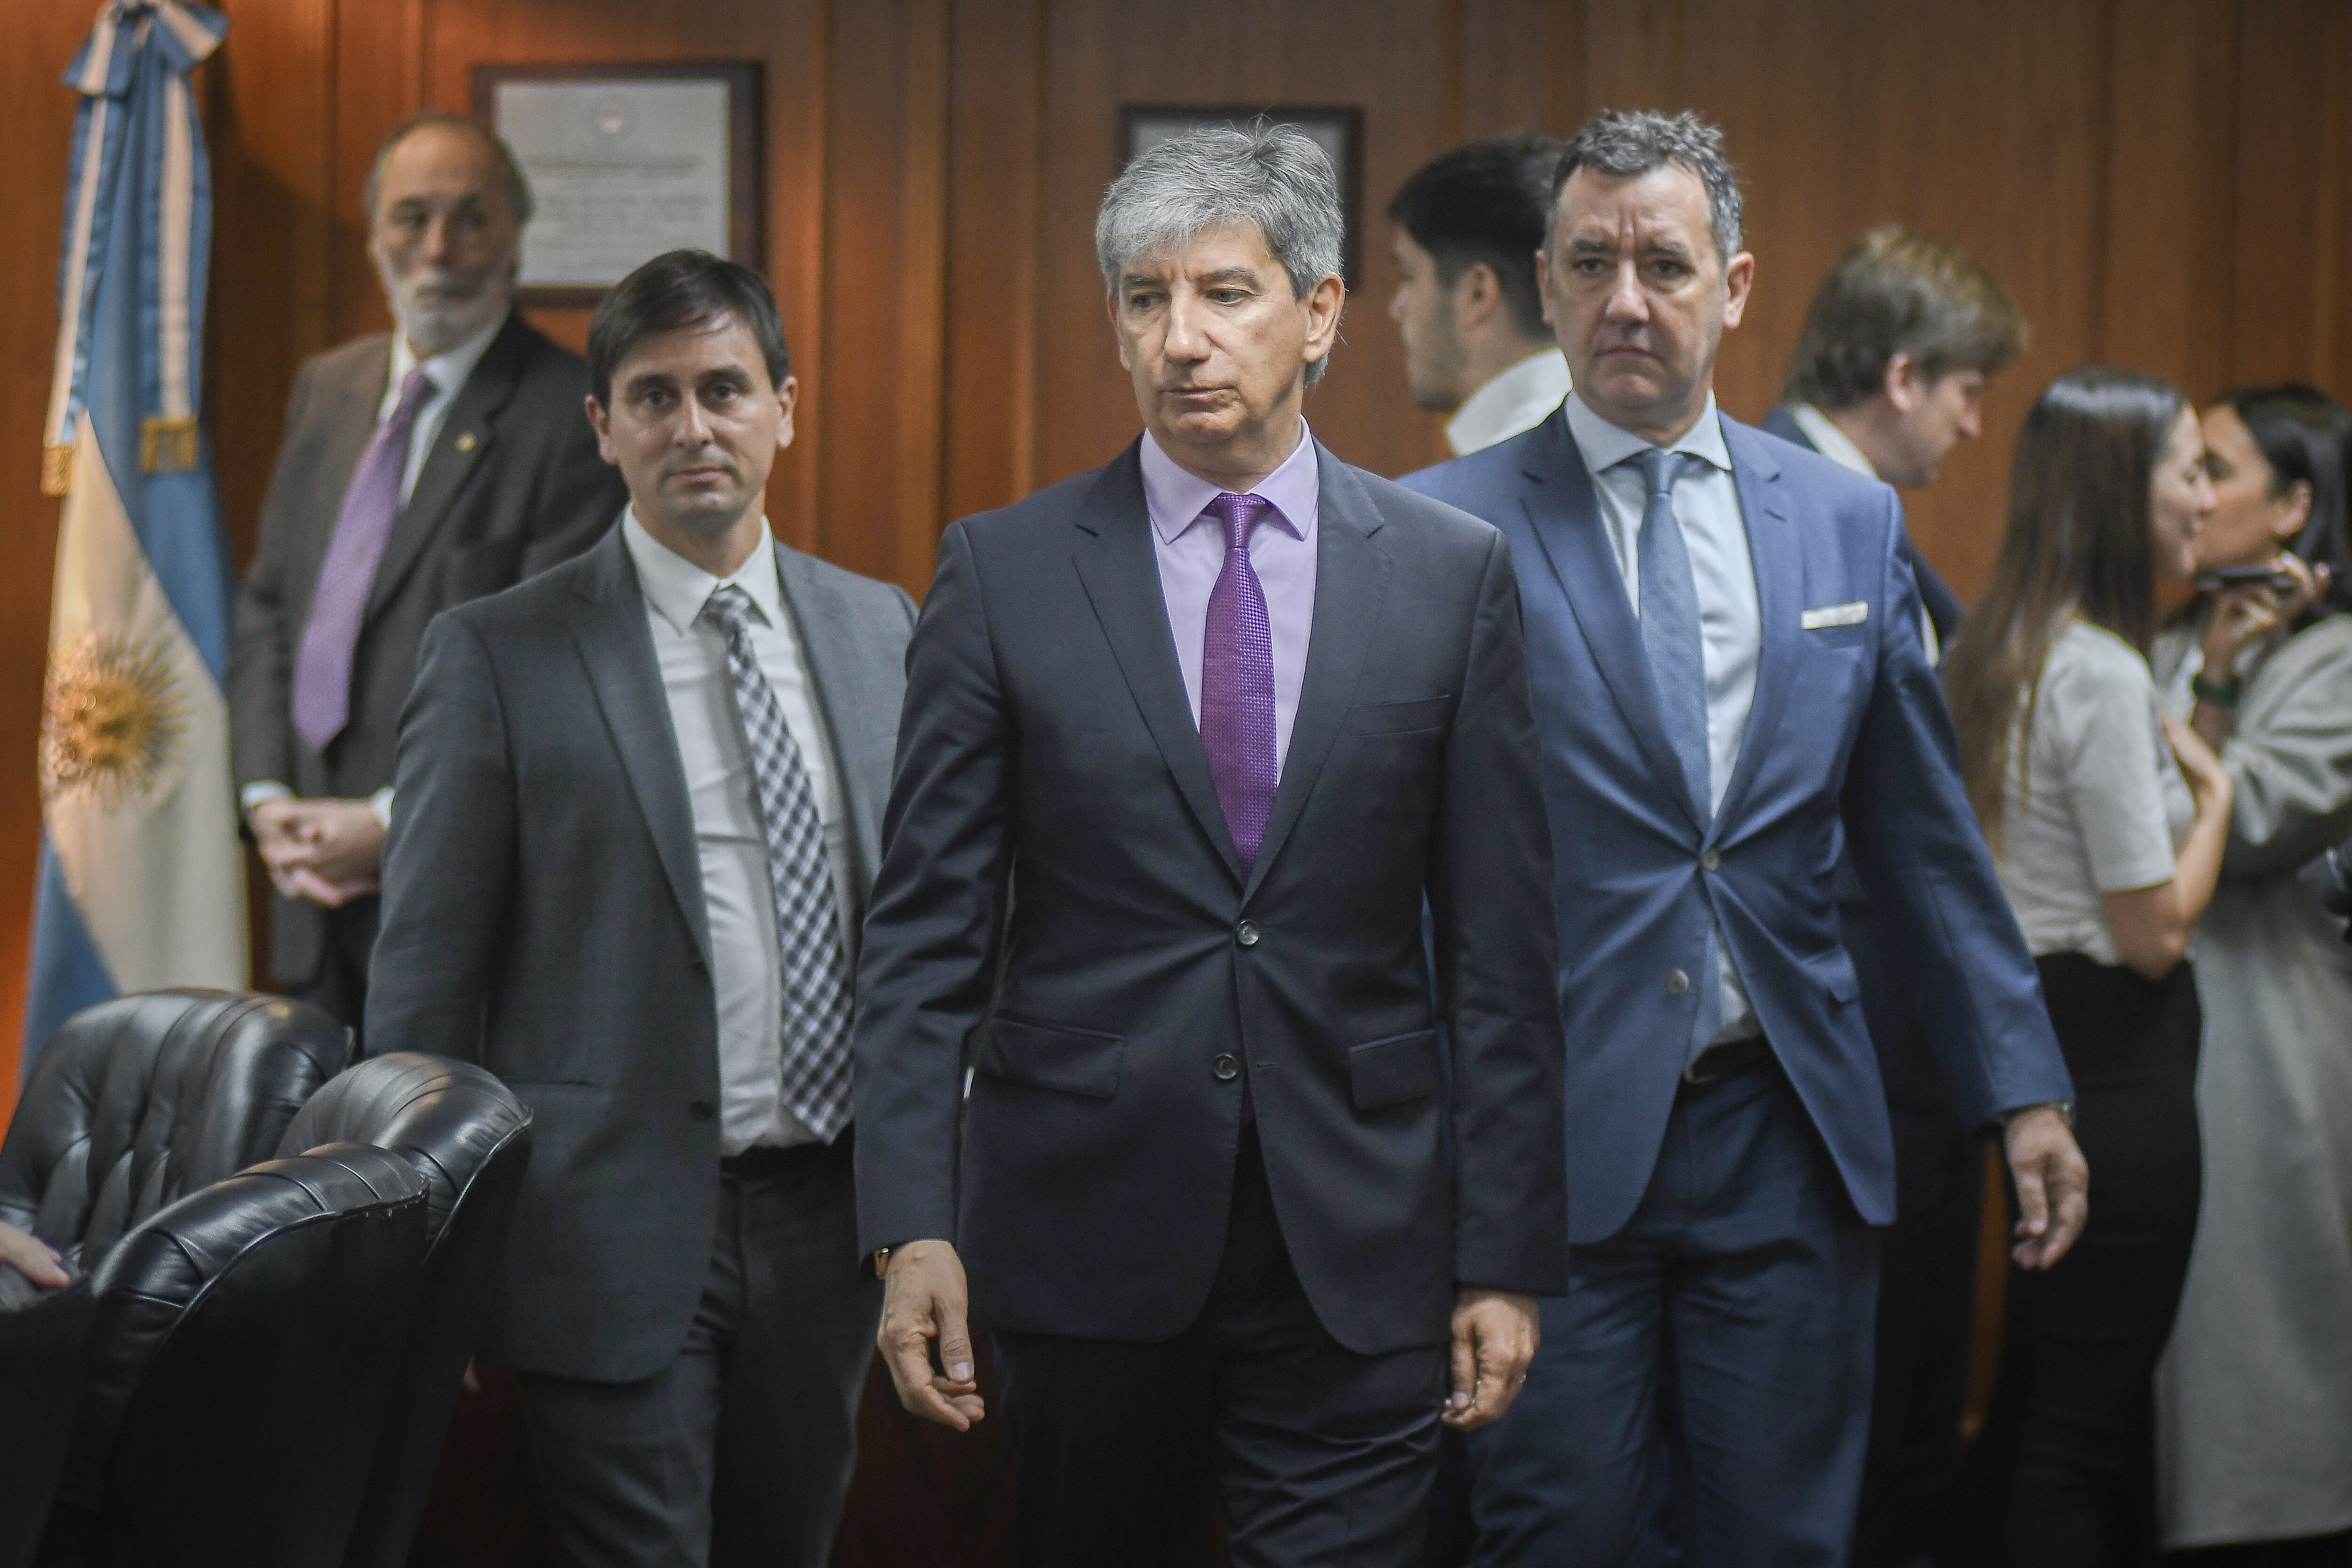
[(1944, 607), (1848, 740)]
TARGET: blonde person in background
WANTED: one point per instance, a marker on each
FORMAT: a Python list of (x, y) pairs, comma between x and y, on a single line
[(2254, 1397), (2106, 823)]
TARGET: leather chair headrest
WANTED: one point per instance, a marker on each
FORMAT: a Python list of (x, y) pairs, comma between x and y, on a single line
[(445, 1117), (137, 1101)]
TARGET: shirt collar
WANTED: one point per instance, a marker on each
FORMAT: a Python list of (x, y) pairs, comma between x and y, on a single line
[(678, 588), (1604, 446), (1177, 499), (1501, 409), (448, 369), (1829, 440)]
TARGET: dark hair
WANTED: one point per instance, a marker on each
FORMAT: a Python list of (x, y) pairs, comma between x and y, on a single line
[(1624, 145), (1485, 202), (1897, 292), (509, 172), (674, 291), (2306, 437), (2081, 489)]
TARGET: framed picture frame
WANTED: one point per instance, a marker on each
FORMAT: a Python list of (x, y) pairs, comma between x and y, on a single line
[(626, 161), (1339, 129)]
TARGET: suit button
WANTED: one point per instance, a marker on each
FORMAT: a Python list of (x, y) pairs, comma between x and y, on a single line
[(699, 1110), (1677, 982), (1226, 1068), (1708, 860), (1246, 933)]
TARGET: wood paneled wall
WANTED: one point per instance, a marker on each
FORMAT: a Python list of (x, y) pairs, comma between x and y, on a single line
[(2164, 184)]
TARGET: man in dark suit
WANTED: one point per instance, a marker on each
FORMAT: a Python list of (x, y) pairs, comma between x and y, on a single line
[(1729, 678), (640, 800), (1188, 740), (1888, 376), (420, 470)]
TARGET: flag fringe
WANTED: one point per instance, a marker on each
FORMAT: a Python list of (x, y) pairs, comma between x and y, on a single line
[(57, 468), (167, 445)]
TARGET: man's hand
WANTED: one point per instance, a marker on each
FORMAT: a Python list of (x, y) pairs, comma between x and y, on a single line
[(923, 1299), (32, 1259), (1495, 1336), (2054, 1185), (328, 851)]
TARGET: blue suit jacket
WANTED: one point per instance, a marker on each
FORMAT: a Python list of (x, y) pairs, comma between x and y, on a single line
[(1849, 739)]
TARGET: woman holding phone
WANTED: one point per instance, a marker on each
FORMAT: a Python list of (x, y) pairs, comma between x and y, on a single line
[(2107, 821), (2255, 1392)]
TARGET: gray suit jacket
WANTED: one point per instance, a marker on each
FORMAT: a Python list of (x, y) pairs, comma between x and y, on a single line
[(512, 485), (543, 916)]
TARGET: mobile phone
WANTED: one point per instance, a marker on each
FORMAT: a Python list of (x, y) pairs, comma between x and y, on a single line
[(2220, 577)]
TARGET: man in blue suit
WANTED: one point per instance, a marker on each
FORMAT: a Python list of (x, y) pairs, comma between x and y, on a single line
[(1730, 682)]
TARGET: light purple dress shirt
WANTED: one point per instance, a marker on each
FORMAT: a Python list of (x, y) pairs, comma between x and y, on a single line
[(1191, 551)]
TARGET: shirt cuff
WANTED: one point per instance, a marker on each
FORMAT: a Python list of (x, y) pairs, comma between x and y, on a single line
[(381, 804), (260, 790), (2064, 1108)]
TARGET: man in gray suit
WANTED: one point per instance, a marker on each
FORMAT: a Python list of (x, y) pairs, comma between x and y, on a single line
[(420, 468), (640, 799)]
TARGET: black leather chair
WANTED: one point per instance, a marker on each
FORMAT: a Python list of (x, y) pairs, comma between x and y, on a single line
[(469, 1140), (136, 1102), (236, 1379)]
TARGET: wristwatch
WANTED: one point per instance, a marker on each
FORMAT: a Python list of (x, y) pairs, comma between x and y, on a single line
[(882, 1255), (2219, 693), (2064, 1108)]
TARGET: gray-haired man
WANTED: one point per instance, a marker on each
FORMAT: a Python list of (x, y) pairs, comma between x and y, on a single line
[(1226, 711)]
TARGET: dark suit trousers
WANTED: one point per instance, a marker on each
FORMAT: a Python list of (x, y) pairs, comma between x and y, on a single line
[(739, 1452), (1928, 1277), (340, 987), (1319, 1455), (1705, 1381)]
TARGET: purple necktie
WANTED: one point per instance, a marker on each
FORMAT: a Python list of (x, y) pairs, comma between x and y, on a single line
[(1237, 684), (322, 670)]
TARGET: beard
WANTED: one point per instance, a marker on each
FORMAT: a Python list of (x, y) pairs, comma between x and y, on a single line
[(437, 309)]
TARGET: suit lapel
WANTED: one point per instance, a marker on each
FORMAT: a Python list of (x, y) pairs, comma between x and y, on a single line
[(1121, 577), (466, 437), (1776, 555), (837, 678), (618, 650), (1351, 581), (1565, 515)]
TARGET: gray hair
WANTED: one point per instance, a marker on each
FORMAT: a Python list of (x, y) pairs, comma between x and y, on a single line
[(509, 172), (1625, 145), (1274, 176)]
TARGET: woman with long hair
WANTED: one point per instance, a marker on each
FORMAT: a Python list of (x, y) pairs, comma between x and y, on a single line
[(2108, 856), (2255, 1396)]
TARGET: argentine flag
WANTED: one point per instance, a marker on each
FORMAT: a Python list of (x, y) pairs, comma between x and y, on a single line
[(143, 877)]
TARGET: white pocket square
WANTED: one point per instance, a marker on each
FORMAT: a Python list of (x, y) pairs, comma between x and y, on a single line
[(1852, 614)]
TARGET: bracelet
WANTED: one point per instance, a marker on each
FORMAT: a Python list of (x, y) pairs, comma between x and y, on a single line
[(2219, 693)]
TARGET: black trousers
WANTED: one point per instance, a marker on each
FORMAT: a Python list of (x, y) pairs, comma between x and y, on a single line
[(1927, 1273), (340, 988), (739, 1452), (2063, 1473), (1319, 1456)]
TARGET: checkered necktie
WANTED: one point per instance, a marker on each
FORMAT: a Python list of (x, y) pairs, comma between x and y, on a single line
[(808, 927)]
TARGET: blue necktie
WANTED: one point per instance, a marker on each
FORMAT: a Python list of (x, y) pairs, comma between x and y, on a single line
[(1670, 634)]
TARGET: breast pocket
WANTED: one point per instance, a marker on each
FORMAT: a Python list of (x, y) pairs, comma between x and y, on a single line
[(1400, 718)]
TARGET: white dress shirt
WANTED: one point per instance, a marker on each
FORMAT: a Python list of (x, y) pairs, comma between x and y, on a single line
[(1520, 399), (447, 371), (1706, 505), (729, 840), (1838, 446)]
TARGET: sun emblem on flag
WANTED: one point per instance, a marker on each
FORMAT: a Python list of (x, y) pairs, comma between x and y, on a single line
[(114, 721)]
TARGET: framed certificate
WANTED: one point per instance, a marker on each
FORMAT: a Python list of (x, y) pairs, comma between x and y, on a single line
[(1338, 131), (626, 162)]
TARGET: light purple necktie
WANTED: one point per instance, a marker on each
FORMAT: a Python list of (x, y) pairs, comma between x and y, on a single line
[(1237, 683), (322, 670)]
